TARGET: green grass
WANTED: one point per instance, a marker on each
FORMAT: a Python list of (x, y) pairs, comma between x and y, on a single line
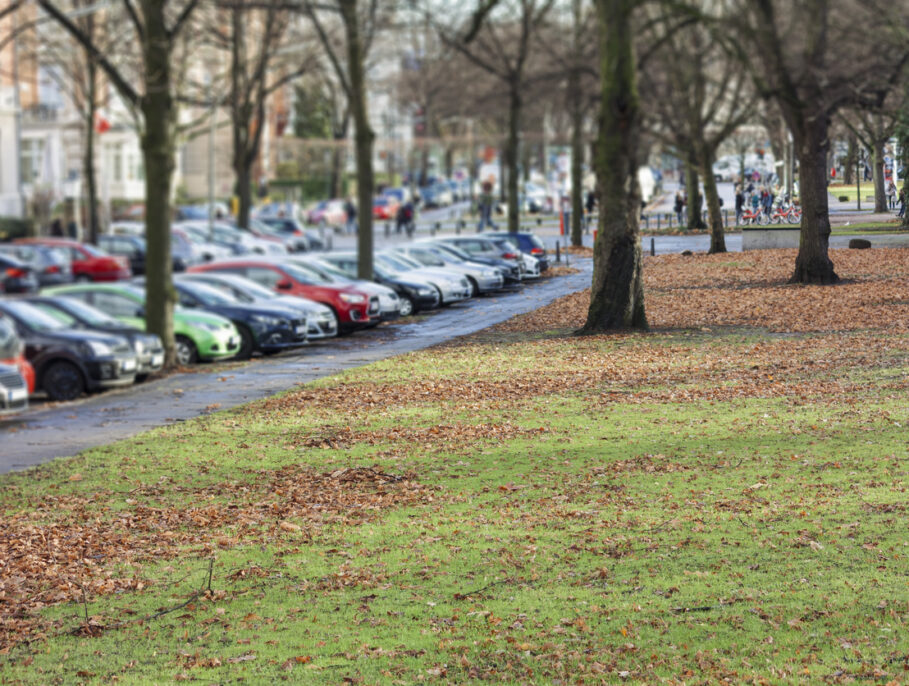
[(731, 537)]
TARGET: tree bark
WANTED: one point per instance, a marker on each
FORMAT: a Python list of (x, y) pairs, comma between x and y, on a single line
[(851, 159), (158, 148), (577, 155), (511, 156), (363, 136), (617, 291), (904, 152), (243, 191), (877, 173), (91, 190), (813, 264), (714, 211), (695, 204)]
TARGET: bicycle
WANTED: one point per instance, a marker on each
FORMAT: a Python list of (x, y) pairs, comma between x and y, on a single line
[(755, 216)]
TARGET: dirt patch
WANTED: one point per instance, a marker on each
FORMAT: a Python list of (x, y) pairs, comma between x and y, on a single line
[(65, 548)]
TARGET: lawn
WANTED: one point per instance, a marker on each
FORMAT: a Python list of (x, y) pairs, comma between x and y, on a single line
[(720, 499), (852, 191)]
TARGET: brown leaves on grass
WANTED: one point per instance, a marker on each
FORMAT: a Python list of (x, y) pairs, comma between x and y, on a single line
[(65, 547), (439, 436), (750, 289)]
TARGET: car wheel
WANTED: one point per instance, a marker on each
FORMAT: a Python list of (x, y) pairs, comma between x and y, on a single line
[(246, 343), (186, 351), (63, 381), (474, 287), (406, 306), (141, 377)]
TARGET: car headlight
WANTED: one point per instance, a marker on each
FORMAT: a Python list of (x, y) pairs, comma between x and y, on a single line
[(139, 346), (353, 298), (97, 348), (268, 321)]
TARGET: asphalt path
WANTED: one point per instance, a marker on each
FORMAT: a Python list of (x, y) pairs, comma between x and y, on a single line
[(48, 430)]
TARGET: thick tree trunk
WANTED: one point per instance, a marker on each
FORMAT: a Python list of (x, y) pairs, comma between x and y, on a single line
[(714, 211), (334, 182), (850, 161), (695, 204), (158, 149), (904, 153), (511, 156), (363, 136), (877, 160), (243, 191), (617, 291), (91, 185), (813, 264), (577, 157)]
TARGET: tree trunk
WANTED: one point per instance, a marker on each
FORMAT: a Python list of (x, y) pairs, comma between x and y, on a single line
[(243, 191), (617, 291), (158, 149), (714, 211), (91, 185), (695, 205), (577, 156), (511, 156), (813, 264), (850, 161), (904, 152), (363, 136), (877, 160)]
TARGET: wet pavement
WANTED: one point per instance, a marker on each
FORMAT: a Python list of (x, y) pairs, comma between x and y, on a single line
[(47, 431)]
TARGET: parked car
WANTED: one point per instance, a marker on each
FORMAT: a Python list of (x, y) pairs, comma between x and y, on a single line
[(320, 319), (209, 249), (77, 314), (264, 329), (69, 362), (353, 308), (415, 294), (12, 353), (484, 252), (530, 266), (384, 207), (328, 213), (452, 287), (525, 242), (88, 262), (389, 303), (199, 335), (16, 276), (482, 279), (51, 265), (295, 234), (130, 247)]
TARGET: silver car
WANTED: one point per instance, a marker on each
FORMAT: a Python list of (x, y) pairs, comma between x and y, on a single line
[(482, 279), (452, 287)]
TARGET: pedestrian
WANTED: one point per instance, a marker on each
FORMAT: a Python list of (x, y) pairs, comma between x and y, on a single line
[(679, 206), (891, 195), (739, 204), (484, 207), (404, 218), (902, 201), (767, 199), (351, 211)]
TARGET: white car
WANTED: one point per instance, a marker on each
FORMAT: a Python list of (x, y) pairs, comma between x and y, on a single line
[(452, 287), (482, 278)]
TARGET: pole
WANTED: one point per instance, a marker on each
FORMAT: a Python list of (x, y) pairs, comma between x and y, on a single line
[(858, 179), (17, 105), (211, 161)]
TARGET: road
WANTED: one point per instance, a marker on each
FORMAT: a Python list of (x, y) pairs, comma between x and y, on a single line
[(49, 431)]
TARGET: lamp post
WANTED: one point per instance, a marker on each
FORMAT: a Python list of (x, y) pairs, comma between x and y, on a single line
[(211, 157)]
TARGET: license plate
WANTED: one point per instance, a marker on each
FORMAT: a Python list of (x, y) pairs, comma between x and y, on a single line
[(18, 394), (157, 359), (301, 328), (129, 365)]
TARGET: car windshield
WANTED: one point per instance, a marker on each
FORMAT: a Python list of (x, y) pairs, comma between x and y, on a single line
[(301, 274), (333, 270), (93, 251), (207, 295), (428, 257), (407, 262), (25, 253), (314, 273), (33, 317), (457, 252), (195, 234), (9, 341), (238, 285), (78, 309)]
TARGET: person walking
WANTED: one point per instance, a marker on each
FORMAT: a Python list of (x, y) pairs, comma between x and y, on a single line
[(902, 196), (739, 204), (891, 195), (351, 210), (484, 207), (679, 206)]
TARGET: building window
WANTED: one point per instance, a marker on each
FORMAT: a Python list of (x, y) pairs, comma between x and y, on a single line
[(31, 159)]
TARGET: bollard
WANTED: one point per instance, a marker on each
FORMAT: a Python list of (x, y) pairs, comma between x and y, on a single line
[(558, 255), (539, 221), (652, 247)]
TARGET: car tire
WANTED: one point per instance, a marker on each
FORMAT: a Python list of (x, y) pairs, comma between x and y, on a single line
[(185, 351), (246, 343), (63, 380), (474, 287), (407, 306)]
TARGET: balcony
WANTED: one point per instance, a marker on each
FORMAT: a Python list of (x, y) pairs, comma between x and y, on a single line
[(40, 114)]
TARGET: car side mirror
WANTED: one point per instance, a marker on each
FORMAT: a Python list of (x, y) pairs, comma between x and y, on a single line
[(284, 285)]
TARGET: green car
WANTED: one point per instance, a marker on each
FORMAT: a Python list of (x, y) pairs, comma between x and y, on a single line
[(199, 335)]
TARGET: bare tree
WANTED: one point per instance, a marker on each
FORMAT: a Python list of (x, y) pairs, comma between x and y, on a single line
[(500, 44), (801, 44), (156, 26), (617, 292)]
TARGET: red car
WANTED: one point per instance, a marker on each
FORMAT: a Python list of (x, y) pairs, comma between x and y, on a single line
[(89, 263), (384, 207), (353, 308), (12, 352)]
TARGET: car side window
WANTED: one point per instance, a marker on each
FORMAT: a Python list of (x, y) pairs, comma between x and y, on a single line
[(75, 254), (115, 305), (187, 300), (263, 276)]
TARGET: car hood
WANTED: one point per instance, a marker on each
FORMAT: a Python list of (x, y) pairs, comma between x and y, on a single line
[(74, 336), (193, 317)]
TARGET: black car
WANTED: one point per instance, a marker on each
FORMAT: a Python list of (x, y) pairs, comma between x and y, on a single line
[(526, 242), (51, 265), (79, 315), (67, 361), (263, 328), (415, 296), (16, 276), (130, 247)]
